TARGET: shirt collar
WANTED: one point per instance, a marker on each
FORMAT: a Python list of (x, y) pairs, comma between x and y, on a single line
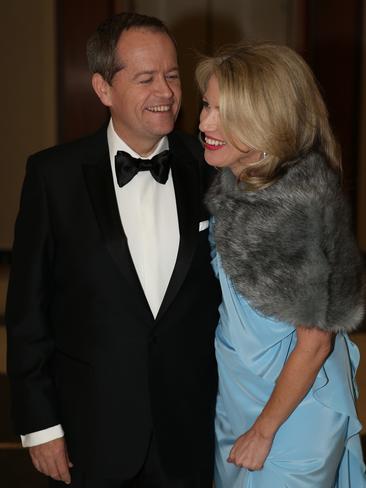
[(115, 143)]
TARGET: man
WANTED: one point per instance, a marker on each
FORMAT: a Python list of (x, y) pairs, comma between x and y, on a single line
[(112, 302)]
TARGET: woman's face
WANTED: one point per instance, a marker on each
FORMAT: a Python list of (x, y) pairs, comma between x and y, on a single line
[(219, 152)]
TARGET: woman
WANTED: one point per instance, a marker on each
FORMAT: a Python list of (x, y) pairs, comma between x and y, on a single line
[(290, 272)]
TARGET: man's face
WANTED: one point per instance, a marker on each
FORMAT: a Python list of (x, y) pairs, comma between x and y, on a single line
[(144, 97)]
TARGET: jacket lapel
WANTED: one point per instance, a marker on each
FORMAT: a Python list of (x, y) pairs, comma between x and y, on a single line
[(99, 181), (187, 193)]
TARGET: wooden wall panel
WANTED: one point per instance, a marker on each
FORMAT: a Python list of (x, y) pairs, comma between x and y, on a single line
[(361, 202), (79, 110), (327, 33), (334, 52)]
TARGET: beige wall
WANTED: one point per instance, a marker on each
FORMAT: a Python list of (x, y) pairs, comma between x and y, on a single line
[(28, 102)]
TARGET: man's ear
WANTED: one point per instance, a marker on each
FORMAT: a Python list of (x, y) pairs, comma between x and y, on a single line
[(102, 89)]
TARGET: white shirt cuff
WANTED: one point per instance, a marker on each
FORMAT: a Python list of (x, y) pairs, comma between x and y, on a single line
[(42, 436)]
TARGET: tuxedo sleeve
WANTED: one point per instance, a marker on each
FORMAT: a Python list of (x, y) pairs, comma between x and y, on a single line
[(30, 342)]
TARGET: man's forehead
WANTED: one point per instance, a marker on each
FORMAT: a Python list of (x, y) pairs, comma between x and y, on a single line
[(142, 50), (139, 37)]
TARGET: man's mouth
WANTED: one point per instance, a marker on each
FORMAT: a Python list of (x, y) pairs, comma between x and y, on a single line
[(159, 108)]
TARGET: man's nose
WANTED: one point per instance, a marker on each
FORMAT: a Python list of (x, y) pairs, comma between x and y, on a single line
[(163, 88)]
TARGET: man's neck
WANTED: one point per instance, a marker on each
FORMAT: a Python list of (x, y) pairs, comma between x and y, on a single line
[(117, 142), (143, 150)]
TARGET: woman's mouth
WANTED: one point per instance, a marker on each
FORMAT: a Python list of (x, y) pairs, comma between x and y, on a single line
[(213, 144)]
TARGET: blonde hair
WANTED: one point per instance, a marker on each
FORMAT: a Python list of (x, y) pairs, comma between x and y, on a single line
[(269, 100)]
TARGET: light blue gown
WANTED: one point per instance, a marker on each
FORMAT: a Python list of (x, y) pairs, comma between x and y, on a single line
[(318, 446)]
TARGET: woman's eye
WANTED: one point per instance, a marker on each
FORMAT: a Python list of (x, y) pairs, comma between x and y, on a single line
[(204, 104)]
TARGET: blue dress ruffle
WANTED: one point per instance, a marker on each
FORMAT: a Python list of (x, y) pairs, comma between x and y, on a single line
[(318, 446)]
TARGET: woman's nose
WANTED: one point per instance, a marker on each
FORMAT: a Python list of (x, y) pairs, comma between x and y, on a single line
[(208, 120)]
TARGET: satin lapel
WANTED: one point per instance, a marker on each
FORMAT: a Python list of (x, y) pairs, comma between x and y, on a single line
[(186, 187), (99, 181)]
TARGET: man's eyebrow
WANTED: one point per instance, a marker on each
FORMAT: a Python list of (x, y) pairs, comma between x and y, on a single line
[(151, 72)]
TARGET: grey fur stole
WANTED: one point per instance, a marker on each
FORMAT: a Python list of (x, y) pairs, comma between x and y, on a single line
[(289, 249)]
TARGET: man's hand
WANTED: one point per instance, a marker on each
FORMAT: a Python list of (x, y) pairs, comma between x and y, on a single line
[(51, 459)]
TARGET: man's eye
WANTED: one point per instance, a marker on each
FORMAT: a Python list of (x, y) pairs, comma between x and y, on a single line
[(146, 80), (173, 77)]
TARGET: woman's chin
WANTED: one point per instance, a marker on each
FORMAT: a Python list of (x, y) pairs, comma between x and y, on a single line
[(212, 159)]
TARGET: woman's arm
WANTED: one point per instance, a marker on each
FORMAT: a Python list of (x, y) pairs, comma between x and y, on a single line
[(313, 346)]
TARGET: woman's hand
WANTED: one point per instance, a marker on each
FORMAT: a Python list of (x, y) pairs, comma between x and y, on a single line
[(313, 346), (250, 450)]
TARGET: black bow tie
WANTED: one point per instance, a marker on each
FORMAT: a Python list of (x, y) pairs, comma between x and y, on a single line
[(127, 167)]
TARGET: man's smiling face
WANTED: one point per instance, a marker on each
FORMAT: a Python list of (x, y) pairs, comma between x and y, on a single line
[(145, 95)]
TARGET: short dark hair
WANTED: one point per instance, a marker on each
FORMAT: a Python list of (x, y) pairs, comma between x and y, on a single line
[(101, 46)]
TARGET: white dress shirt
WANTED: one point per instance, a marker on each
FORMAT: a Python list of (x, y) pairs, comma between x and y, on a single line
[(148, 213)]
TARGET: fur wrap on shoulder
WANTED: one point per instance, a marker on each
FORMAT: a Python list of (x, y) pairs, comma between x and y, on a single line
[(289, 248)]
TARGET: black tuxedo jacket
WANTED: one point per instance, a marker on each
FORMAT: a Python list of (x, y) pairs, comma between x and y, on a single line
[(83, 347)]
